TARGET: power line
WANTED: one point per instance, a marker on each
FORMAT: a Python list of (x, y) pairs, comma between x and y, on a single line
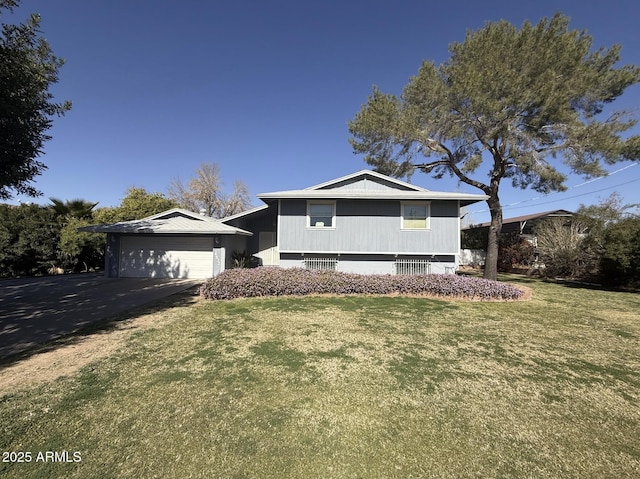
[(514, 205), (582, 194)]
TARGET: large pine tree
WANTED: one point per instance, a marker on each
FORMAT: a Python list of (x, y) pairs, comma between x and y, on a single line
[(509, 104)]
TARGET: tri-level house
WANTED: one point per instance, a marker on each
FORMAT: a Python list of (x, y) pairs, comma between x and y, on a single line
[(365, 222)]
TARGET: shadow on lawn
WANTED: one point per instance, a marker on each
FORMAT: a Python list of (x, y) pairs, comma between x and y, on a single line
[(566, 282), (569, 283), (182, 298)]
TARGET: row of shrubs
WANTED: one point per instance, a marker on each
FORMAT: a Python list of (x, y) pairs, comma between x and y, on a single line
[(274, 281)]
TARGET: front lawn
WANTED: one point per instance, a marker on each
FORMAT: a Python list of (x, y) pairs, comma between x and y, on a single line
[(346, 387)]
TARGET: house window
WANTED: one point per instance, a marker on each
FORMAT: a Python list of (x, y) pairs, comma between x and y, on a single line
[(321, 214), (415, 216)]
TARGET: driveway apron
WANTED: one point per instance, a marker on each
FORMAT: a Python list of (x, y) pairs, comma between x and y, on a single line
[(34, 311)]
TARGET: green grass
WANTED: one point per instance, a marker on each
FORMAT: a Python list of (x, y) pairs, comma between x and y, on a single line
[(353, 387)]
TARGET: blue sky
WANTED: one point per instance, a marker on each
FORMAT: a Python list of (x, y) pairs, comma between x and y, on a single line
[(266, 88)]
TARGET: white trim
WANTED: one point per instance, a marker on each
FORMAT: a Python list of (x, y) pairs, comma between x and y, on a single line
[(460, 230), (278, 228), (333, 194), (333, 216), (182, 211), (427, 206), (398, 253)]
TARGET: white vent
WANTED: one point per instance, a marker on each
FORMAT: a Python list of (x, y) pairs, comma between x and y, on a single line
[(325, 264), (413, 266)]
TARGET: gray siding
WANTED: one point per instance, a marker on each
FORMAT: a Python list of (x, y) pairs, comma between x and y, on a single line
[(264, 220), (366, 184), (369, 226)]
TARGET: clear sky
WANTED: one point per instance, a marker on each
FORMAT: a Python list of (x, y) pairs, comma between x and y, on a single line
[(266, 88)]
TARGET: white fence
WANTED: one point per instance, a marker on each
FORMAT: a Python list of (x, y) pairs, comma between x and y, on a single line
[(321, 263), (472, 257), (413, 266)]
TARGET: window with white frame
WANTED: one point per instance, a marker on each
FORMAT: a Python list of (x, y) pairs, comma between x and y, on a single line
[(321, 214), (415, 216)]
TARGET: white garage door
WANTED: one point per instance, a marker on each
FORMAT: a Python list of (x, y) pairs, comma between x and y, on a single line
[(166, 257)]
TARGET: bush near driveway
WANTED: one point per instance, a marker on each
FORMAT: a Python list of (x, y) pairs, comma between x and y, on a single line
[(273, 281)]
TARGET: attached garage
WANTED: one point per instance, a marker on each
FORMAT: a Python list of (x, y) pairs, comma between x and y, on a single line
[(166, 257), (173, 244)]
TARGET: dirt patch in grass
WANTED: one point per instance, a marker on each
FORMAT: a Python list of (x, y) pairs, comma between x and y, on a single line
[(68, 359)]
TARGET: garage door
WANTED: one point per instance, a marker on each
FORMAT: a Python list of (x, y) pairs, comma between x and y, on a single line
[(166, 257)]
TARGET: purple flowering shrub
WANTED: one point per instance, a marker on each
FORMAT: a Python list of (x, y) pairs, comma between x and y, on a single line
[(274, 281)]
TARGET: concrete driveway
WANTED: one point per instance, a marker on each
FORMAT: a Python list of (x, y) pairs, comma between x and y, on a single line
[(34, 311)]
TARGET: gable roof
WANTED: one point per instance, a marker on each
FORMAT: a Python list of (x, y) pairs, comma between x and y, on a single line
[(173, 221), (367, 174), (384, 187)]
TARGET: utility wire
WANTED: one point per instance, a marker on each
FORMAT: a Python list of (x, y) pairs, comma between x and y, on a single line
[(515, 204), (582, 194)]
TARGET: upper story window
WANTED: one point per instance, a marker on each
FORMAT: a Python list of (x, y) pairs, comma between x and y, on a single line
[(415, 216), (321, 214)]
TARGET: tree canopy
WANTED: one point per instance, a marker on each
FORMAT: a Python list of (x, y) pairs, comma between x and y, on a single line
[(205, 192), (28, 68), (138, 203), (509, 104)]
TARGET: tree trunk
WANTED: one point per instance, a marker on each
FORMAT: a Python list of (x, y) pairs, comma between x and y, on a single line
[(493, 239)]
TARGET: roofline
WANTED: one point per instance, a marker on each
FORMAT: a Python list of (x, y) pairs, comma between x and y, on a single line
[(353, 194), (144, 230), (367, 172), (125, 227), (517, 219), (244, 213)]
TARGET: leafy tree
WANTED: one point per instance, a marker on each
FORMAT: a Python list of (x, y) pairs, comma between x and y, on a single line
[(597, 219), (29, 236), (138, 203), (205, 192), (78, 250), (28, 68), (504, 106), (613, 240), (514, 251), (621, 258)]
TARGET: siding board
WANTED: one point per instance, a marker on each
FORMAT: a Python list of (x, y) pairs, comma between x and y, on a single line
[(371, 226)]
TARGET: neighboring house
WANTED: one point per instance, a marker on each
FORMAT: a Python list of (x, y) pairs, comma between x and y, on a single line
[(365, 222), (474, 237), (523, 225)]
